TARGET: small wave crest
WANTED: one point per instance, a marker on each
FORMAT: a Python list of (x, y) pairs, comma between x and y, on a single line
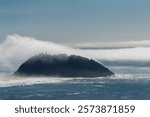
[(131, 76), (9, 81), (22, 81)]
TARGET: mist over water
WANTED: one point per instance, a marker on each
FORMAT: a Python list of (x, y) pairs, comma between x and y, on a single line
[(130, 65), (16, 49), (126, 73)]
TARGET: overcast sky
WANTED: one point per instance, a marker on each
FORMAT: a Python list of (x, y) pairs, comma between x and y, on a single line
[(69, 21)]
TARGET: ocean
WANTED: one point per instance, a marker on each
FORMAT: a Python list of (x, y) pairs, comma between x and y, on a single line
[(129, 83)]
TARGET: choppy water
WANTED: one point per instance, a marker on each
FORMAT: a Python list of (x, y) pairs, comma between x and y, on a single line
[(129, 83)]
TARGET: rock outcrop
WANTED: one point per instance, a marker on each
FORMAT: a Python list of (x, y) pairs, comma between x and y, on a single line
[(63, 66)]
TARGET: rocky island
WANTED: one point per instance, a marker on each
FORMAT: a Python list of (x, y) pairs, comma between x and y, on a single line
[(62, 65)]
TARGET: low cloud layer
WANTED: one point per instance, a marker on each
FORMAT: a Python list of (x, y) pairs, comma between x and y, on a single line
[(123, 44), (17, 49), (133, 54)]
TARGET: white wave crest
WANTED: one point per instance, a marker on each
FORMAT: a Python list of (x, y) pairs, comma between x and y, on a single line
[(23, 81)]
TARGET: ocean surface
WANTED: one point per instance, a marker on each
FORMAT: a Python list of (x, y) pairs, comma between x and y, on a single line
[(129, 83)]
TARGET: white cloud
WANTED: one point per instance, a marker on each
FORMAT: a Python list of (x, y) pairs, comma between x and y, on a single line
[(134, 43), (135, 54), (17, 49)]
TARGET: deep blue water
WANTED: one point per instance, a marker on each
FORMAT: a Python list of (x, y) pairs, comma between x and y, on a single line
[(112, 89), (131, 83)]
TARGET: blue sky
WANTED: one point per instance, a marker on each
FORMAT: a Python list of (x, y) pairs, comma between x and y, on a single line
[(75, 21)]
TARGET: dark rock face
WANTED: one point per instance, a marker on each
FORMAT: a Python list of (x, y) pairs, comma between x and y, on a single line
[(63, 66)]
